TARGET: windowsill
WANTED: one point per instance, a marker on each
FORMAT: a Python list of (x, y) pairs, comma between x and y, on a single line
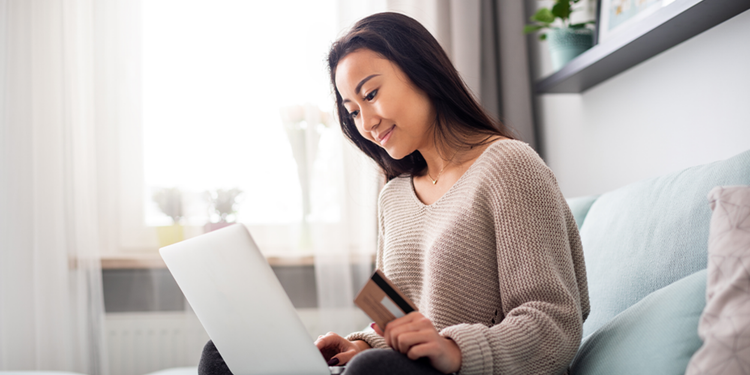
[(153, 260)]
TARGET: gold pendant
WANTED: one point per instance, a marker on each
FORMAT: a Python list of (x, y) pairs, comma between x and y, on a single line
[(434, 182)]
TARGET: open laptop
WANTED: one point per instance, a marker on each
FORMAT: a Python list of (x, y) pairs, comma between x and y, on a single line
[(242, 306)]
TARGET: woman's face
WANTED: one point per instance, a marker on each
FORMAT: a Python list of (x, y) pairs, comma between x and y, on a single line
[(383, 102)]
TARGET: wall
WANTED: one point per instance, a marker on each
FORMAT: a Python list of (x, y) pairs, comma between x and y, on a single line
[(687, 106)]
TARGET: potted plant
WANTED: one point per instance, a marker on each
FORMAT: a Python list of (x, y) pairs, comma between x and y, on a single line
[(224, 204), (566, 40), (169, 201)]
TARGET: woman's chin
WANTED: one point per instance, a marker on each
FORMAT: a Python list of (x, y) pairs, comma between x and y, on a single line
[(396, 153)]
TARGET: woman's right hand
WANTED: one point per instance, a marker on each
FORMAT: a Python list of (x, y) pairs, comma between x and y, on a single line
[(337, 350)]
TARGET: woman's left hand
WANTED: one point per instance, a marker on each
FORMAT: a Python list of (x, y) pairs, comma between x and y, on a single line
[(416, 336)]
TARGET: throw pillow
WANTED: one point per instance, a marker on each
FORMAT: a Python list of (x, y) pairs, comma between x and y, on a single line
[(657, 335), (580, 207), (725, 323), (649, 234)]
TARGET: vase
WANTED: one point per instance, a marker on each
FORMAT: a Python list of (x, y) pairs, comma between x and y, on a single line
[(210, 227), (170, 234), (565, 44)]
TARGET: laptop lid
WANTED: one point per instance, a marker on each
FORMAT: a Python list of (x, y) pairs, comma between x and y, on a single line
[(241, 304)]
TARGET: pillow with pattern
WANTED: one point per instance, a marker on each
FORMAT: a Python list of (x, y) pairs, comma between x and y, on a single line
[(725, 321)]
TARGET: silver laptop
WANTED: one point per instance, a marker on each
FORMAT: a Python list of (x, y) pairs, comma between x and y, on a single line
[(241, 304)]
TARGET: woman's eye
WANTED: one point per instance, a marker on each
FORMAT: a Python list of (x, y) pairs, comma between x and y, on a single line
[(353, 114), (371, 95)]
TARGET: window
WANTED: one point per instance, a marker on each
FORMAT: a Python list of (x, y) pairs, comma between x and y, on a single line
[(236, 95)]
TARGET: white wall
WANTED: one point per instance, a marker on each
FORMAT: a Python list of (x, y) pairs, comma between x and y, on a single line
[(687, 106)]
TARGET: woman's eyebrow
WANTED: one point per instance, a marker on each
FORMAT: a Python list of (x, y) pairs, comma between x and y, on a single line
[(359, 85)]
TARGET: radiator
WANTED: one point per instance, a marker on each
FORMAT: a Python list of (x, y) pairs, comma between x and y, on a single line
[(144, 342), (140, 343)]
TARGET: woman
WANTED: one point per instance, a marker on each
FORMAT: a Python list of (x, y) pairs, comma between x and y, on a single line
[(472, 225)]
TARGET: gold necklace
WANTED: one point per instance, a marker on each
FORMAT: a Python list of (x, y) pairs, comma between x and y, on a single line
[(441, 171)]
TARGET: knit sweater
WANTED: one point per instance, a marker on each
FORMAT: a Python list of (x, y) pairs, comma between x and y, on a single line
[(496, 263)]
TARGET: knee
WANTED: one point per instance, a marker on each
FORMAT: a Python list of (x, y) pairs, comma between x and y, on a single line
[(374, 361), (211, 362)]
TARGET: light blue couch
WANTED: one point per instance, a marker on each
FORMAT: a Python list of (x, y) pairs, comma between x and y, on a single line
[(645, 247)]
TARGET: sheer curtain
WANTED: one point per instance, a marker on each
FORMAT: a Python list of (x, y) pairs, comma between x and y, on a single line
[(53, 57)]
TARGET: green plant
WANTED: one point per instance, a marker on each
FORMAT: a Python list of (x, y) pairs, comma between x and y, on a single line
[(545, 17)]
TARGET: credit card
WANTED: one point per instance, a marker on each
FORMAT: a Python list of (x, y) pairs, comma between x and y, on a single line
[(381, 300)]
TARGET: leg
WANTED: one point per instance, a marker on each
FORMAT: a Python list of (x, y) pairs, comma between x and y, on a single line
[(211, 362), (390, 362)]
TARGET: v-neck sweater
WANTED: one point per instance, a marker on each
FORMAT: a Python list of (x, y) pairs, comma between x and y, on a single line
[(496, 263)]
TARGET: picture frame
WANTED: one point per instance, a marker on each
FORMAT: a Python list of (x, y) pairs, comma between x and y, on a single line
[(615, 17)]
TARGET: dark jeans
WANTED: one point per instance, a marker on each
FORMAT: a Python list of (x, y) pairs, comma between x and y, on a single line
[(369, 362)]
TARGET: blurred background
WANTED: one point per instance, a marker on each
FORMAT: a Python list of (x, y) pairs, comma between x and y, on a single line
[(128, 125)]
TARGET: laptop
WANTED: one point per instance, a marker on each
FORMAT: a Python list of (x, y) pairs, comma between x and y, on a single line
[(241, 304)]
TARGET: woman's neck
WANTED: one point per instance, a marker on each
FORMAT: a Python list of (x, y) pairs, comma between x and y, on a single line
[(442, 157)]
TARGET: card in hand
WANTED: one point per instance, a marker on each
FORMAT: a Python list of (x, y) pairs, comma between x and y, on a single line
[(382, 301)]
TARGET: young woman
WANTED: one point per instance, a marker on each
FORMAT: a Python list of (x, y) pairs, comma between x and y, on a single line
[(472, 225)]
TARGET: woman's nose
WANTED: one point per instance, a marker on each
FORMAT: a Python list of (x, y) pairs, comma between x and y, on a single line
[(370, 120)]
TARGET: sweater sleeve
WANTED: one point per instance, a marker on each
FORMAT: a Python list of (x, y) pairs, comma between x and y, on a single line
[(542, 282)]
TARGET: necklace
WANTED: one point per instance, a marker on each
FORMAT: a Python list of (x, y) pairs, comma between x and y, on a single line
[(434, 181)]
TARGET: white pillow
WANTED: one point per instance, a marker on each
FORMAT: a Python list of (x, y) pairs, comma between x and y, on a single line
[(725, 322)]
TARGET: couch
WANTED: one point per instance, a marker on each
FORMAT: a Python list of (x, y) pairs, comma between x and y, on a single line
[(645, 247)]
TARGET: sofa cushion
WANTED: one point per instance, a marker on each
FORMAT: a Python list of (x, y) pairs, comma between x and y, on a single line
[(646, 235), (657, 335), (580, 207), (725, 322)]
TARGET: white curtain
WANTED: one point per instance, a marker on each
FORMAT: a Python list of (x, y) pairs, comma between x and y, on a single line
[(344, 251), (53, 131)]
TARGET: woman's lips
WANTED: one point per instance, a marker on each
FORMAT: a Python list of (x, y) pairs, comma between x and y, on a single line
[(386, 136)]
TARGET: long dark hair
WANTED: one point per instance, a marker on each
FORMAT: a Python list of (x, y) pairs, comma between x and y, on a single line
[(405, 42)]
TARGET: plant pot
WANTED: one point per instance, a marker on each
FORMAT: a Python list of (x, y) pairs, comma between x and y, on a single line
[(565, 44), (210, 227), (170, 234)]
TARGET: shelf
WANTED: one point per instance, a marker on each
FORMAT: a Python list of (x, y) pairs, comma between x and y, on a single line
[(664, 29)]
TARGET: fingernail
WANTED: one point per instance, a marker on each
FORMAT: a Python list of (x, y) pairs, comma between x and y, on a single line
[(333, 361), (372, 325)]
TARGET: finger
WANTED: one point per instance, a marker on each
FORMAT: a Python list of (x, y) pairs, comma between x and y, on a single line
[(323, 341), (375, 327), (395, 334), (415, 315), (390, 326), (422, 350), (344, 357), (323, 344), (407, 340), (404, 320), (329, 336), (329, 344)]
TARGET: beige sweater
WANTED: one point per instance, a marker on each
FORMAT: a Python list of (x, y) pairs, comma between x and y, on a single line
[(496, 263)]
